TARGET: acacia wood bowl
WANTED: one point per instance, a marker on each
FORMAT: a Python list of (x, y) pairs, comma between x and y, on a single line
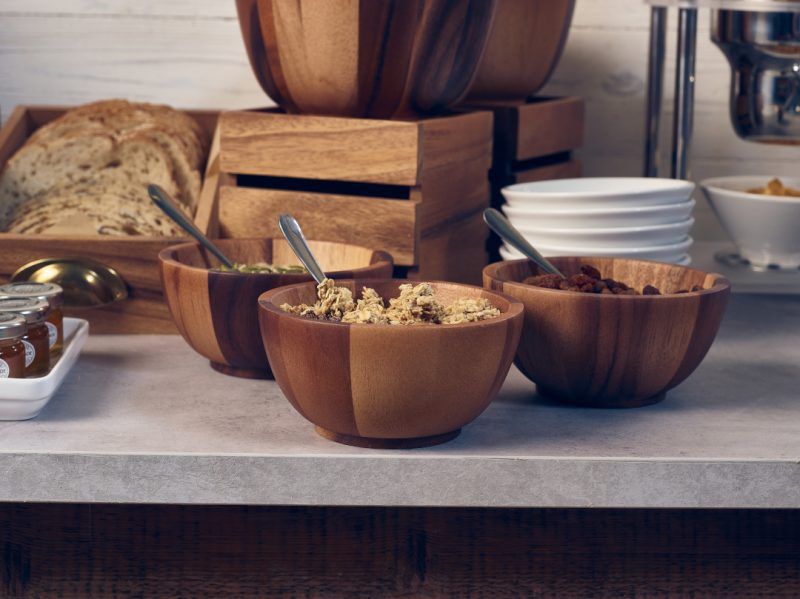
[(613, 350), (389, 386), (525, 43), (217, 312), (365, 58)]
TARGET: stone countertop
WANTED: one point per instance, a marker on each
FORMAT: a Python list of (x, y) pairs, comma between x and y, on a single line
[(143, 419)]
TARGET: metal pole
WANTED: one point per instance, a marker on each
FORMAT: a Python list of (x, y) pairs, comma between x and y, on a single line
[(684, 91), (655, 87)]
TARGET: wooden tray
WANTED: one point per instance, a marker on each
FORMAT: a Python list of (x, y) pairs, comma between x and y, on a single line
[(135, 258), (399, 186)]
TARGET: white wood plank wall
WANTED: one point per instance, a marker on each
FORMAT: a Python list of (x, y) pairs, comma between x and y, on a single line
[(188, 53)]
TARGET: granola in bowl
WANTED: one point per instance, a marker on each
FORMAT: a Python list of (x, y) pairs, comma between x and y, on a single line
[(415, 305)]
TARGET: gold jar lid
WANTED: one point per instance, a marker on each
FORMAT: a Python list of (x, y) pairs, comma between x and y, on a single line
[(50, 292), (32, 310), (12, 326)]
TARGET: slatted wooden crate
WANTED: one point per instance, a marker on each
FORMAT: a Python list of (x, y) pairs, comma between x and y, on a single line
[(134, 258), (412, 188), (533, 141)]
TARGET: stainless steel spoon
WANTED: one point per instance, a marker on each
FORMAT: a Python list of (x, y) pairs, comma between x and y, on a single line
[(167, 204), (294, 235), (502, 226)]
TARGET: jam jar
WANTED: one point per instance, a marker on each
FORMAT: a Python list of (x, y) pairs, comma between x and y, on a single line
[(37, 338), (54, 295), (12, 351)]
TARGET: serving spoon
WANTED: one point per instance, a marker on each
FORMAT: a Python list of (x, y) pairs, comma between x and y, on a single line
[(498, 223), (167, 204), (294, 236)]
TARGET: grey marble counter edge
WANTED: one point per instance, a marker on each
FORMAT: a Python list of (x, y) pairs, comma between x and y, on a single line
[(403, 481)]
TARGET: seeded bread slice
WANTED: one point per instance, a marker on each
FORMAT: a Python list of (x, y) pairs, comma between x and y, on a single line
[(93, 208)]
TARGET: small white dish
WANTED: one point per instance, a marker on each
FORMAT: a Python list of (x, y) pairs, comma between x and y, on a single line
[(589, 218), (598, 192), (765, 229), (617, 237), (672, 253), (23, 399)]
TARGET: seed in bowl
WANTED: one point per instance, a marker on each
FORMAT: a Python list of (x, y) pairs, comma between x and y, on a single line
[(262, 268), (415, 305), (589, 280), (776, 188)]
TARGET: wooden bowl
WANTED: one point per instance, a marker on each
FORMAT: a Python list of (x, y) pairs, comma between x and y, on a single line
[(613, 350), (216, 312), (389, 386), (525, 44), (365, 58)]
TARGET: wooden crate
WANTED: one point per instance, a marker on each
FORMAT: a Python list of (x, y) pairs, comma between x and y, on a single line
[(533, 141), (135, 258), (406, 187)]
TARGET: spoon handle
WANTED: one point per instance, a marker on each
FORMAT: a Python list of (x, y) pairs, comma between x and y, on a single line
[(502, 226), (294, 235), (167, 204)]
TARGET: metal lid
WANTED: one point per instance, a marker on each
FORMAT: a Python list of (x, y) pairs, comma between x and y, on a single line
[(45, 291), (33, 310), (12, 326)]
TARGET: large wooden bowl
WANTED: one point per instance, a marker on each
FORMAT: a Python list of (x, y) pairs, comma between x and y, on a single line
[(365, 58), (525, 44), (613, 350), (389, 385), (217, 313)]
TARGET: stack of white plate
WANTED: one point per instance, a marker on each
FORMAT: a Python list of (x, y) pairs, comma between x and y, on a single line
[(623, 217)]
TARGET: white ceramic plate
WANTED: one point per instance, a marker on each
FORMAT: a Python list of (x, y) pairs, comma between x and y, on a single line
[(673, 253), (633, 216), (622, 237), (598, 192), (22, 399), (765, 229)]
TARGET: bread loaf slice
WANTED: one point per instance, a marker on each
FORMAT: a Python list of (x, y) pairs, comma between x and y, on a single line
[(40, 166), (93, 208)]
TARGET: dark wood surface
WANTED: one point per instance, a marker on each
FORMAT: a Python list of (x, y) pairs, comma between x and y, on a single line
[(365, 58), (173, 551), (382, 382), (613, 350)]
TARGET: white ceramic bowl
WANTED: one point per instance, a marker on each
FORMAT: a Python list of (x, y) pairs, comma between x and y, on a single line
[(614, 237), (674, 253), (598, 192), (532, 216), (765, 229)]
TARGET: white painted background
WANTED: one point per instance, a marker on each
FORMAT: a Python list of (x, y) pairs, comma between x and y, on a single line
[(188, 53)]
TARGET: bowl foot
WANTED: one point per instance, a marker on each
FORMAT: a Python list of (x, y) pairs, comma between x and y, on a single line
[(601, 403), (373, 443), (245, 373)]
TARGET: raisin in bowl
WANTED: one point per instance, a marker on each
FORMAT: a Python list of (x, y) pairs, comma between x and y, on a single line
[(620, 333)]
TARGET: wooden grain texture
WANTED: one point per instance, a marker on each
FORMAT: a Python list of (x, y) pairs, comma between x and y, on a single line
[(455, 252), (114, 551), (365, 59), (524, 46), (135, 258), (328, 148), (383, 381), (560, 170), (389, 225), (612, 350), (217, 312)]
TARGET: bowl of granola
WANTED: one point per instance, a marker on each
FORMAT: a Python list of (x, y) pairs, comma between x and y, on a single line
[(614, 332), (215, 308), (389, 363)]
